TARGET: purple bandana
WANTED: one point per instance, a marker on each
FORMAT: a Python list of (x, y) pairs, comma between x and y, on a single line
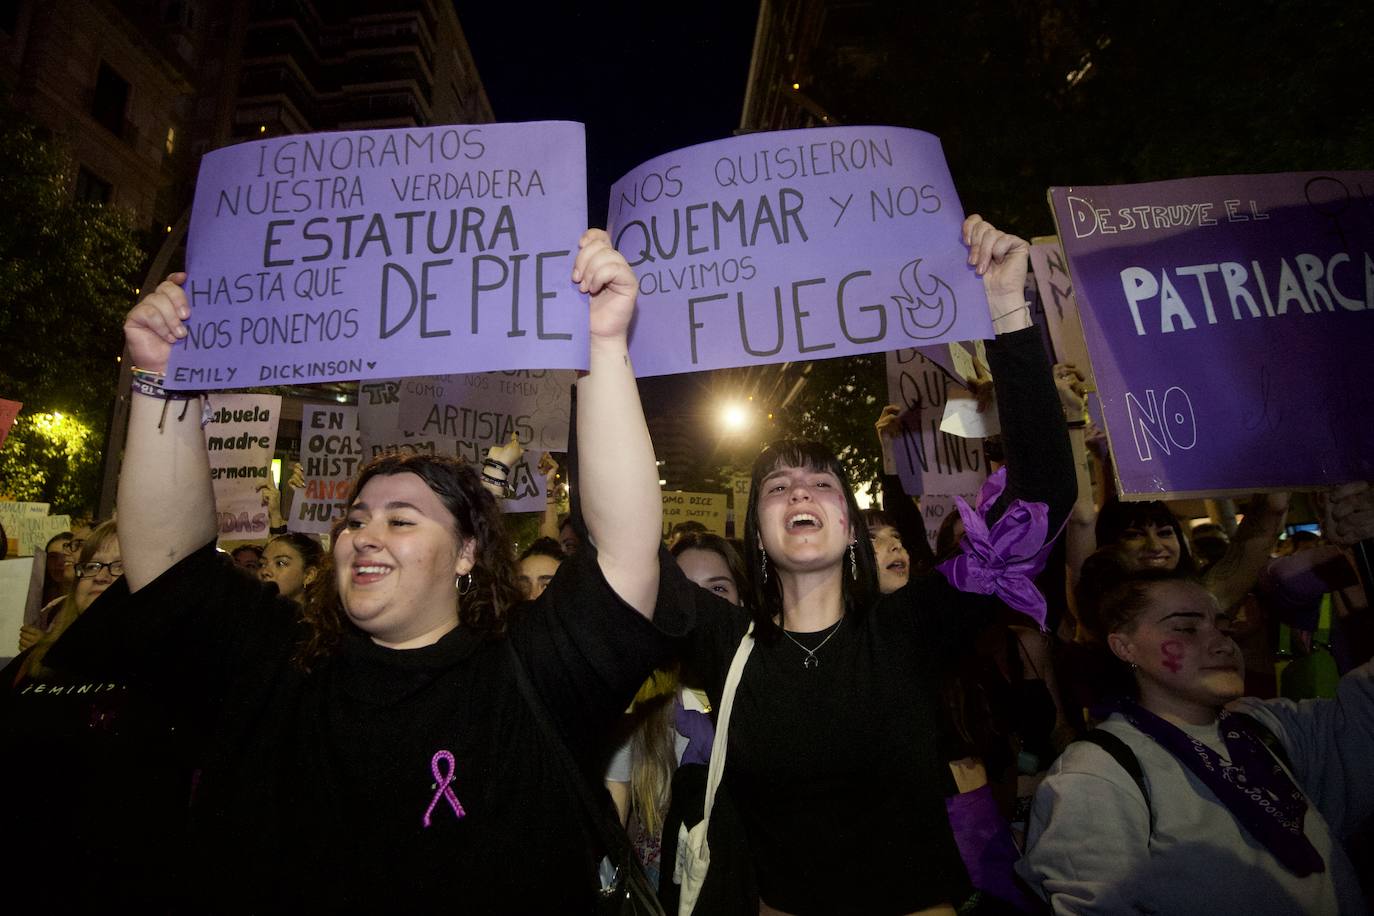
[(1004, 558), (1256, 790)]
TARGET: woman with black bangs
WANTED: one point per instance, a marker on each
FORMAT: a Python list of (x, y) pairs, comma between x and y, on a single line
[(832, 799)]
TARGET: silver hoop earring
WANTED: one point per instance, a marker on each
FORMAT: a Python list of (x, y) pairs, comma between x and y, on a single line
[(463, 586), (763, 563), (853, 562)]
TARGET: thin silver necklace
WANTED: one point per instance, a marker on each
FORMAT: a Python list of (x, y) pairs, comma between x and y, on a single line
[(811, 661)]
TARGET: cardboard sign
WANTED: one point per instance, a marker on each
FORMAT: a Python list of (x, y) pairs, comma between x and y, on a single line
[(1052, 278), (241, 438), (331, 453), (935, 465), (382, 403), (1227, 320), (794, 245), (21, 591), (8, 411), (707, 508), (368, 254), (29, 527), (487, 407)]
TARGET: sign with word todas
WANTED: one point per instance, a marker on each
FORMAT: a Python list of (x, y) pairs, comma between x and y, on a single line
[(932, 464), (331, 452), (1228, 320), (369, 254), (800, 244), (241, 437)]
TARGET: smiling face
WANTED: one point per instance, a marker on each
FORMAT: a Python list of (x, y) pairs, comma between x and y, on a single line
[(894, 564), (709, 570), (398, 557), (283, 565), (1149, 546), (1187, 664), (803, 519)]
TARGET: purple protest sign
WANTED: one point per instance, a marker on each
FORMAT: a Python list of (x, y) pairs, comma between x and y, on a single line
[(1228, 320), (799, 244), (371, 254)]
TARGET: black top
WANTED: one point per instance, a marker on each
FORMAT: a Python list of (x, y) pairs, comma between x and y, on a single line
[(833, 773), (316, 786)]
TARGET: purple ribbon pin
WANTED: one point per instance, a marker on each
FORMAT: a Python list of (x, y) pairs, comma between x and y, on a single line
[(442, 781)]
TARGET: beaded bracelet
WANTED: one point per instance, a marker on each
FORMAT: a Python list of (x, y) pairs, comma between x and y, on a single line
[(487, 478)]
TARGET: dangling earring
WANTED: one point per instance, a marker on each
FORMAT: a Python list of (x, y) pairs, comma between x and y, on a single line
[(853, 562), (763, 562), (463, 586), (1134, 667)]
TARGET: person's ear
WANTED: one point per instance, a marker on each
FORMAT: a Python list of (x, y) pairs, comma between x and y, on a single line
[(311, 574), (1121, 647), (467, 558)]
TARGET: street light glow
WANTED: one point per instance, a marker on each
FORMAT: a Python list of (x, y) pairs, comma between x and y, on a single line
[(734, 417)]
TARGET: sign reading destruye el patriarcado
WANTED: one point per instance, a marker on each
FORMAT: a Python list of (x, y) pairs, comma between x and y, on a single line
[(1230, 322), (373, 254), (804, 244)]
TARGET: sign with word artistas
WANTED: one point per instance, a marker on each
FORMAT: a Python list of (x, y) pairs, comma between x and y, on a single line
[(1227, 319), (932, 464), (241, 437), (803, 244), (368, 254)]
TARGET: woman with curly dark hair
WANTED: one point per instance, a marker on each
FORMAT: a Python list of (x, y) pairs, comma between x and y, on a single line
[(375, 752)]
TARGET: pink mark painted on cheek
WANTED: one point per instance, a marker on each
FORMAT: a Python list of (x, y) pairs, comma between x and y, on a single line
[(1171, 651)]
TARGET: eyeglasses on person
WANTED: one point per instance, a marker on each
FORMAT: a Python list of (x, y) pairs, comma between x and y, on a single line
[(87, 570)]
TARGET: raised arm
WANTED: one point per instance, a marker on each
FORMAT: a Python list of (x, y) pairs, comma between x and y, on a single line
[(618, 480), (1239, 568), (166, 505), (1034, 434)]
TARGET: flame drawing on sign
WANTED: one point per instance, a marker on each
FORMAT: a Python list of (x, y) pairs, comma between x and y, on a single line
[(927, 309)]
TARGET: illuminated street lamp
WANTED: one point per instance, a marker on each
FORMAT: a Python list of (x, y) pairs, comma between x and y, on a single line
[(735, 417)]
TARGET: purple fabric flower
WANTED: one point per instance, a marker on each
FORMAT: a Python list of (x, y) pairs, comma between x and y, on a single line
[(696, 727), (1003, 559)]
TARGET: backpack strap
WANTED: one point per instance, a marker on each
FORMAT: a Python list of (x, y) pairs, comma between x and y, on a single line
[(1121, 752), (1266, 736)]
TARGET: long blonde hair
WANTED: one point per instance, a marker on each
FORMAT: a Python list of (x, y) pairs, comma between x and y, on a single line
[(66, 615), (653, 751)]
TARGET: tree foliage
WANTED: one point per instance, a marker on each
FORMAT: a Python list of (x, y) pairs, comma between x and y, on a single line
[(66, 280)]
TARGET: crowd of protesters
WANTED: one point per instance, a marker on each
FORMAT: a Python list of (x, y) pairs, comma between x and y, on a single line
[(1068, 725)]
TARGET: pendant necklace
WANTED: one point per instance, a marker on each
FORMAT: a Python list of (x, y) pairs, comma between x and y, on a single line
[(811, 661)]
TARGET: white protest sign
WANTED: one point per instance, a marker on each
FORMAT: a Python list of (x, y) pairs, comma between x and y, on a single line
[(935, 465), (21, 590), (241, 438), (1061, 308), (29, 527)]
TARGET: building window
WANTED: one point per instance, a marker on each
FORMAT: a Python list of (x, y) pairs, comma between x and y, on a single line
[(111, 99), (92, 189)]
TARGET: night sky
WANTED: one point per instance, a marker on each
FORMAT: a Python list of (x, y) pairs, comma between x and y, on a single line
[(645, 78)]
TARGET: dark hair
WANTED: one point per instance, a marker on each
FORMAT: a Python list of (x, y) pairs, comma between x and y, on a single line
[(251, 548), (459, 488), (544, 547), (877, 518), (1117, 516), (704, 540), (946, 541), (1111, 597), (767, 596), (307, 548), (47, 548), (687, 527)]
